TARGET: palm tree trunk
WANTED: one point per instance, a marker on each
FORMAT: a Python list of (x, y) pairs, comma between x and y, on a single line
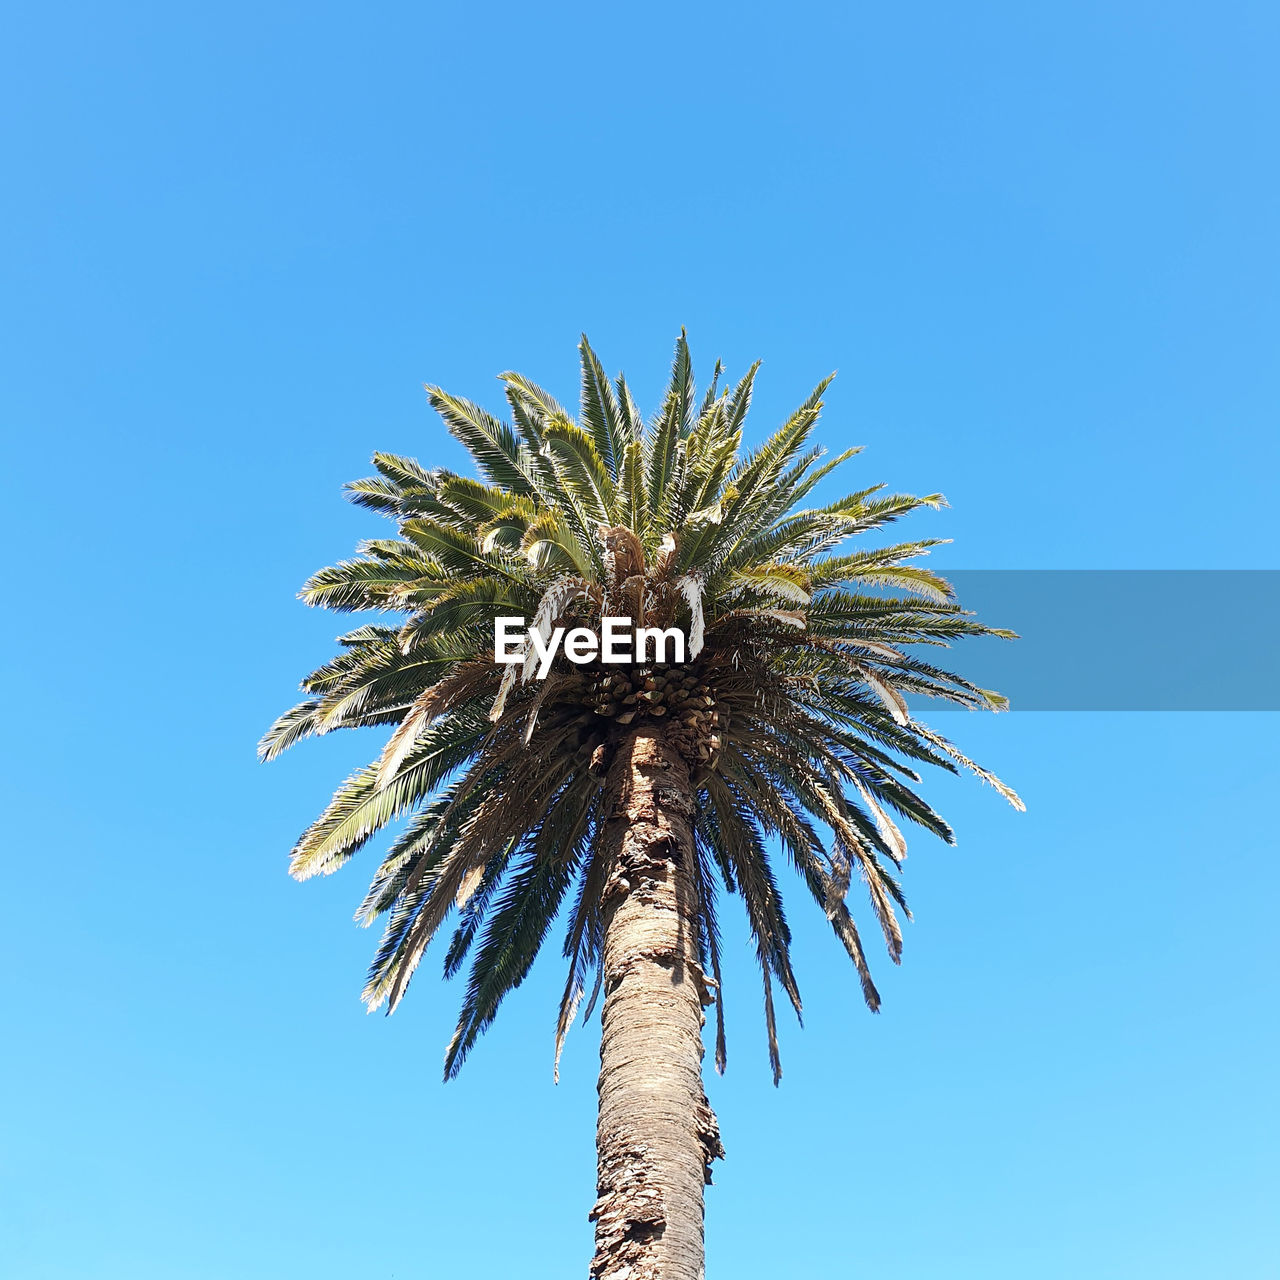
[(656, 1134)]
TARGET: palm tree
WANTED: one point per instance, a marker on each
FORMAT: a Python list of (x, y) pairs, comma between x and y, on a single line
[(632, 792)]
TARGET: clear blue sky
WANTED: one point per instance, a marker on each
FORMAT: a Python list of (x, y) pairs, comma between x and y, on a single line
[(1039, 243)]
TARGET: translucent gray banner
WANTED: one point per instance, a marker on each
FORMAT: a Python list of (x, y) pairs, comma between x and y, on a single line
[(1124, 639)]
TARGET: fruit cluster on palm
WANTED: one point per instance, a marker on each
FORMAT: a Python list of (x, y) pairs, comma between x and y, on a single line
[(629, 799)]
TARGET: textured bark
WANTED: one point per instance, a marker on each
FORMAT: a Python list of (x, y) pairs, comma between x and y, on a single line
[(656, 1135)]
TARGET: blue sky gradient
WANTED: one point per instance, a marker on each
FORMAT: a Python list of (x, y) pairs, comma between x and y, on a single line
[(1038, 242)]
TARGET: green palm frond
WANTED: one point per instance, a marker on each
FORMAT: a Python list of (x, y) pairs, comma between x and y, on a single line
[(796, 710)]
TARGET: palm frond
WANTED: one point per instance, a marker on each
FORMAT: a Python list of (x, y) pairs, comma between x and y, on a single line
[(795, 712)]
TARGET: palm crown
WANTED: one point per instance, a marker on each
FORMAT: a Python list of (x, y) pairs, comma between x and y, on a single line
[(791, 707)]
